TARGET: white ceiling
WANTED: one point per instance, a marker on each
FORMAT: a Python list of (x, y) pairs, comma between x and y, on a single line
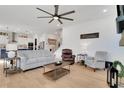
[(24, 18)]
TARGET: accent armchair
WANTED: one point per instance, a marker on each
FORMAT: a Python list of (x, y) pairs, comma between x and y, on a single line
[(67, 56), (97, 62)]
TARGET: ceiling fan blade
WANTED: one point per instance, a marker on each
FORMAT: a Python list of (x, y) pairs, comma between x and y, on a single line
[(44, 11), (70, 12), (45, 17), (51, 20), (67, 18), (60, 21), (56, 9)]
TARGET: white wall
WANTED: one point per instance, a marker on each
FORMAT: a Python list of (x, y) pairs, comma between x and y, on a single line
[(107, 41)]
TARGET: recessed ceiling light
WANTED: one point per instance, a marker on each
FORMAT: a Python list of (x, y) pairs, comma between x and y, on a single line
[(105, 10)]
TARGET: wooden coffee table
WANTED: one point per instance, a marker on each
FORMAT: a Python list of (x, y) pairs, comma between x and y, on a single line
[(56, 71)]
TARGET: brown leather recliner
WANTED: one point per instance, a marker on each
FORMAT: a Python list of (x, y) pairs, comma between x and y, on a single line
[(67, 56)]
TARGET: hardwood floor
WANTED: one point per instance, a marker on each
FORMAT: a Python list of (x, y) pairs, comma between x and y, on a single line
[(79, 77)]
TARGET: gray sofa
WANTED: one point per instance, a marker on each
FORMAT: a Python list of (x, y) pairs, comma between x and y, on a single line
[(35, 58)]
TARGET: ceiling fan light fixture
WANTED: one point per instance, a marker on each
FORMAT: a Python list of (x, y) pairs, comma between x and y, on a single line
[(56, 18)]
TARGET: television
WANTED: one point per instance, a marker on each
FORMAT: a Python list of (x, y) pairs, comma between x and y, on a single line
[(120, 18)]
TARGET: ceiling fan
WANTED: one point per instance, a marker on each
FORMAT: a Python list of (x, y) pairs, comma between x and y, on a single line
[(57, 16)]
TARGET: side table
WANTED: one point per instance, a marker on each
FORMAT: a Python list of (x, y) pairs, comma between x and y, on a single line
[(108, 64), (81, 58), (12, 65)]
